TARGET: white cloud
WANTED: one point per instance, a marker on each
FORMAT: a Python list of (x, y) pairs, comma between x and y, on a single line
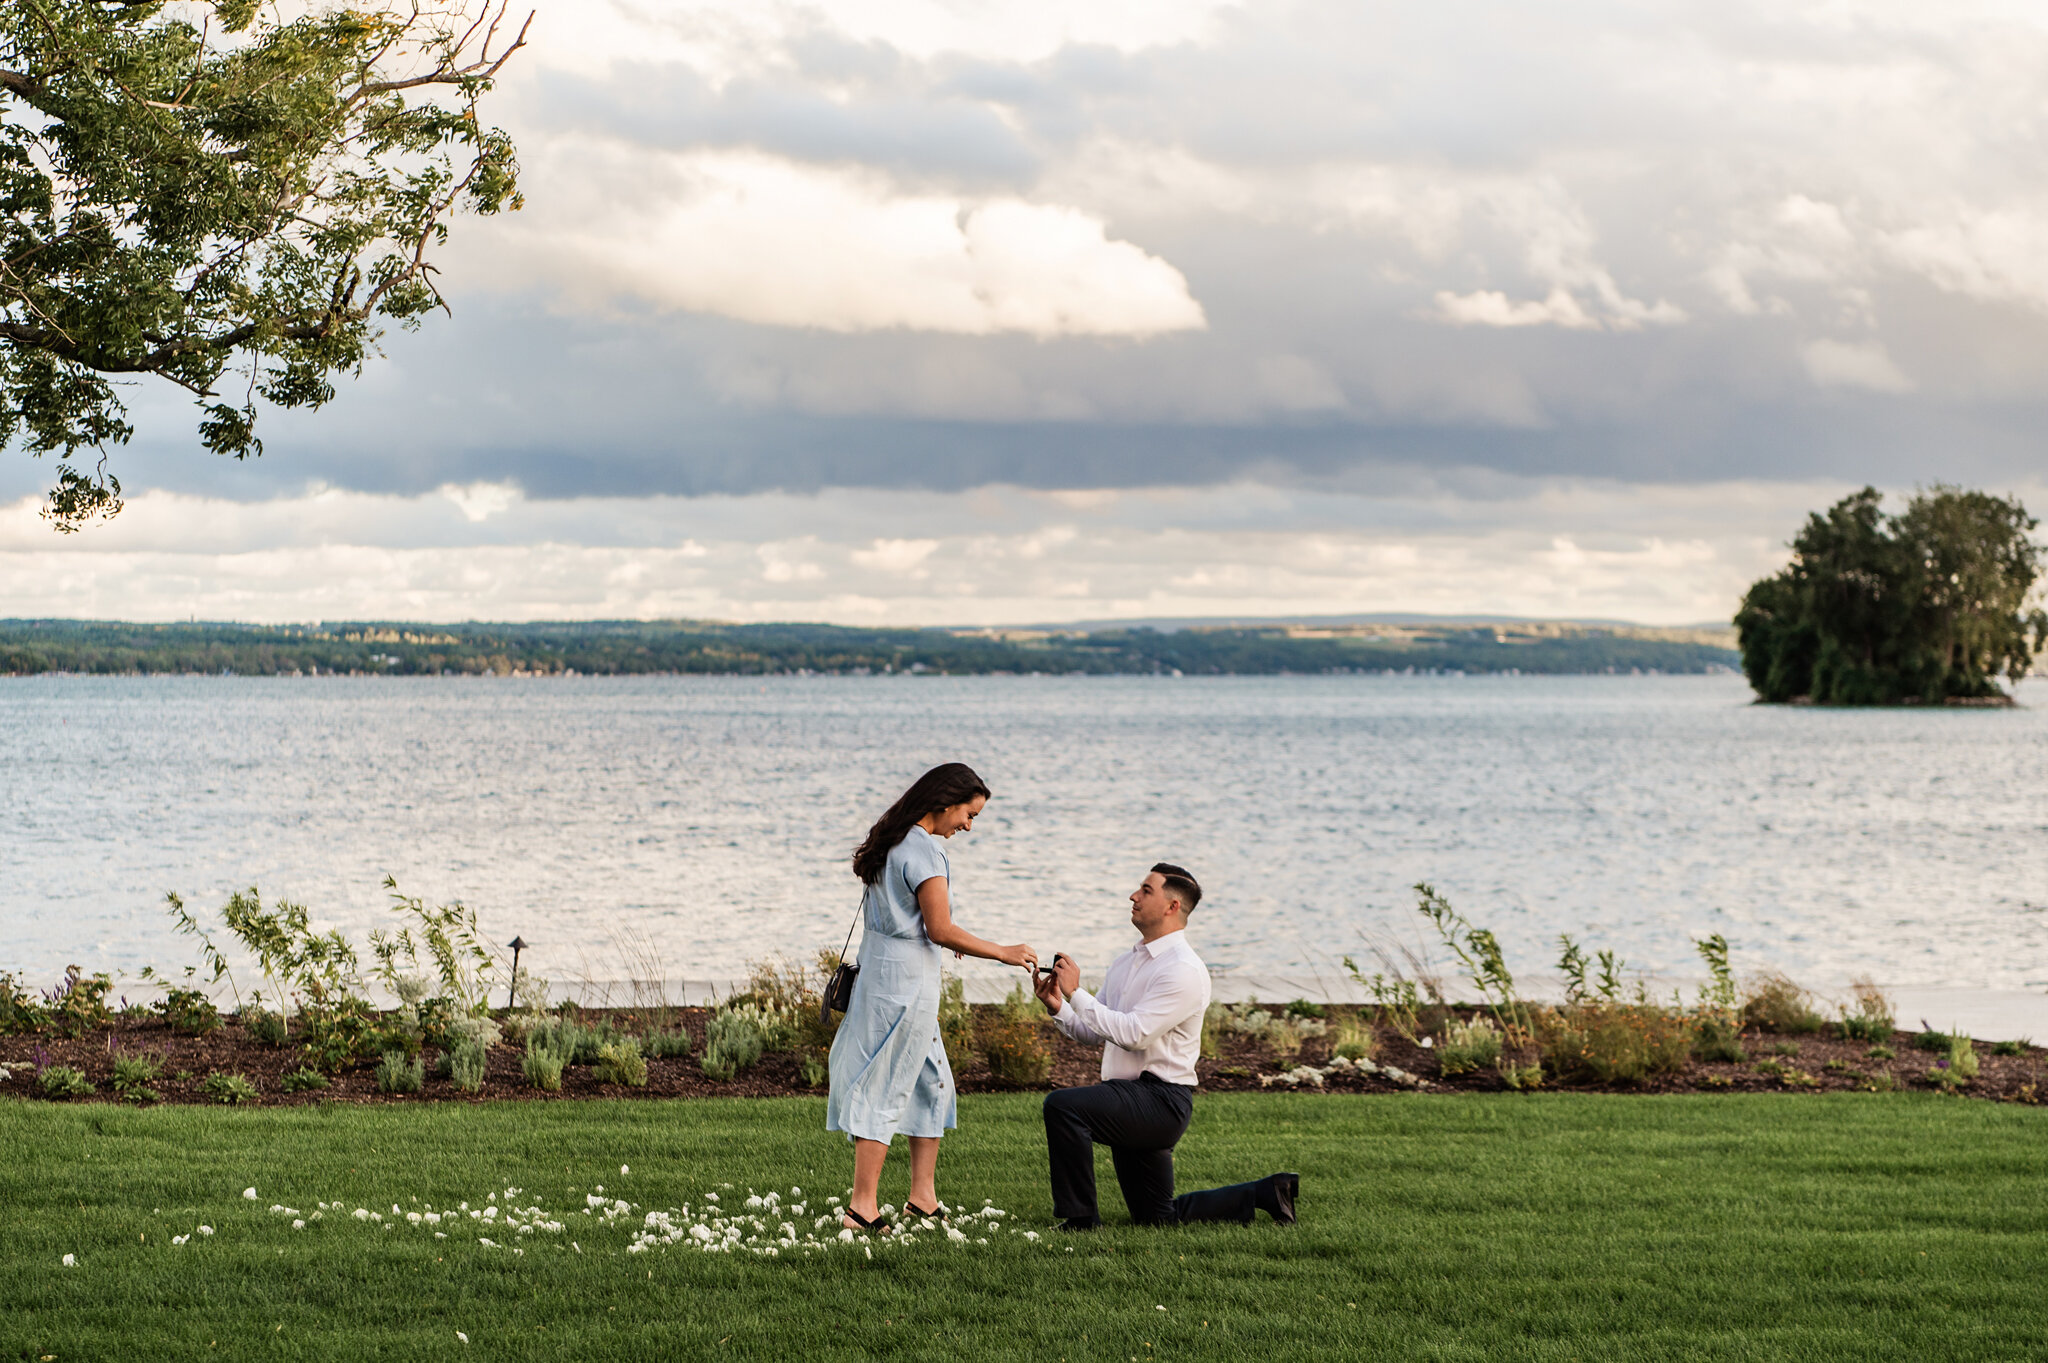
[(1850, 364), (781, 243), (1492, 308), (1676, 554)]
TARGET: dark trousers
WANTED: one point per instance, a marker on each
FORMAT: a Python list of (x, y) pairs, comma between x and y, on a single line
[(1140, 1120)]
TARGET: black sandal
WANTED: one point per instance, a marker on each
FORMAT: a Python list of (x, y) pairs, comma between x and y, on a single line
[(936, 1214), (879, 1226)]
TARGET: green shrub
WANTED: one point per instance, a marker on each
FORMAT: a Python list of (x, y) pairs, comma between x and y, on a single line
[(1869, 1016), (1878, 1083), (956, 1023), (80, 1003), (816, 1070), (135, 1074), (188, 1012), (1017, 1052), (791, 994), (20, 1010), (1956, 1069), (621, 1063), (299, 1080), (1280, 1033), (232, 1089), (1356, 1039), (668, 1044), (1020, 1005), (398, 1072), (732, 1042), (1775, 1004), (1715, 1039), (1466, 1046), (263, 1025), (1785, 1048), (63, 1081), (2009, 1047), (1614, 1043), (1521, 1077), (1212, 1031), (467, 1062), (1881, 1053), (548, 1048), (1931, 1040), (338, 1034), (1302, 1008)]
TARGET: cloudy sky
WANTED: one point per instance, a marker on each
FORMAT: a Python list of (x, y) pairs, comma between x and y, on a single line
[(945, 311)]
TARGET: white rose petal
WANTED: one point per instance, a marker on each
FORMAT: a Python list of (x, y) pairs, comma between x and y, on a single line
[(249, 1193), (298, 1225)]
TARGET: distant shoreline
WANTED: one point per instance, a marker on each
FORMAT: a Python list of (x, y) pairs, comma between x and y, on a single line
[(698, 648)]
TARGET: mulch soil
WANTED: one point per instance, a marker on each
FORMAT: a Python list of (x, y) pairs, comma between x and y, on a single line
[(1813, 1063)]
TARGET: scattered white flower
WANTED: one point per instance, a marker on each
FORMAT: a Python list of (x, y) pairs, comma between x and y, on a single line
[(1428, 1042), (440, 1235), (361, 1215), (206, 1230), (299, 1224), (1031, 1235), (461, 1336), (179, 1239), (623, 1169), (1158, 1308), (487, 1244), (870, 1250), (249, 1193), (846, 1234), (71, 1261)]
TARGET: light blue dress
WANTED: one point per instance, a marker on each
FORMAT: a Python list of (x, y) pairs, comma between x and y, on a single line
[(889, 1070)]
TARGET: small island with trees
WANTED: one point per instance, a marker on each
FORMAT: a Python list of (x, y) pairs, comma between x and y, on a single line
[(1931, 606)]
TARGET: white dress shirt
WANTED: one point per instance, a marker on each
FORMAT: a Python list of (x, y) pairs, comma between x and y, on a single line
[(1148, 1016)]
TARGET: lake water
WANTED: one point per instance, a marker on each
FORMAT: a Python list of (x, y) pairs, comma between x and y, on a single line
[(709, 819)]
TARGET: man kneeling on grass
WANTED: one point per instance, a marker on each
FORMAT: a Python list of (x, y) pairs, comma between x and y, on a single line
[(1148, 1019)]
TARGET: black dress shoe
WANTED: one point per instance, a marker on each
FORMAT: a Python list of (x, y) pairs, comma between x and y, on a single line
[(1076, 1223), (1276, 1196)]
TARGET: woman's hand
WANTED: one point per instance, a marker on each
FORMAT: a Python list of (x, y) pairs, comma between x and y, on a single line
[(1018, 955)]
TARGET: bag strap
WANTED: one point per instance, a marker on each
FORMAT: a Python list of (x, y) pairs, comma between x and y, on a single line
[(858, 913)]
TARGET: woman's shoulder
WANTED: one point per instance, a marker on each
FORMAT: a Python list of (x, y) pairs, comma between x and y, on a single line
[(918, 849)]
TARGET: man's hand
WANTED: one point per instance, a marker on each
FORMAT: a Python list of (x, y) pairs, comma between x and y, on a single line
[(1048, 991), (1066, 974)]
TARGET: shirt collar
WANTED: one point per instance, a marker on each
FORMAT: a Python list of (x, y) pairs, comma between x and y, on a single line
[(1159, 946)]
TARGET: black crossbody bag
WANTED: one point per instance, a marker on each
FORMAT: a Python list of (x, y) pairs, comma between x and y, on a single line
[(838, 995)]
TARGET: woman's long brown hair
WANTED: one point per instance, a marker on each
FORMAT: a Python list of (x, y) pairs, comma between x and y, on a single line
[(946, 785)]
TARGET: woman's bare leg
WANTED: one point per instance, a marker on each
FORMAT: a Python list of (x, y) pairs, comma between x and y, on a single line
[(924, 1171), (867, 1176)]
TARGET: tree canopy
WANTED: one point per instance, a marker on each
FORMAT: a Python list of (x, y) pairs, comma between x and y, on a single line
[(1926, 606), (210, 194)]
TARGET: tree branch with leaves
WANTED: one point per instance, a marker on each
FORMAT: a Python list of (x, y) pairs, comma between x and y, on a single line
[(237, 206)]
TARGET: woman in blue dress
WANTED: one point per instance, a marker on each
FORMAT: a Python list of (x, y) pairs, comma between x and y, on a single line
[(889, 1070)]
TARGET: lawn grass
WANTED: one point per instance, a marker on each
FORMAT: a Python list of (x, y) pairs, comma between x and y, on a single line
[(1540, 1227)]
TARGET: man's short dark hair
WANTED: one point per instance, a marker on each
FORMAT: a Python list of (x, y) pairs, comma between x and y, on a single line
[(1180, 884)]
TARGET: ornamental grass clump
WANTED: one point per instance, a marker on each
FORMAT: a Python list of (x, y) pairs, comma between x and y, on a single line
[(398, 1072), (621, 1063), (301, 1080), (135, 1074), (1774, 1003), (1356, 1039), (1614, 1042), (667, 1044), (732, 1043), (1869, 1016), (548, 1049), (467, 1062), (1466, 1046)]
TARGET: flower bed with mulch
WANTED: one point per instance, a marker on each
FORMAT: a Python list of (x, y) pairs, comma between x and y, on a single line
[(1821, 1063)]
